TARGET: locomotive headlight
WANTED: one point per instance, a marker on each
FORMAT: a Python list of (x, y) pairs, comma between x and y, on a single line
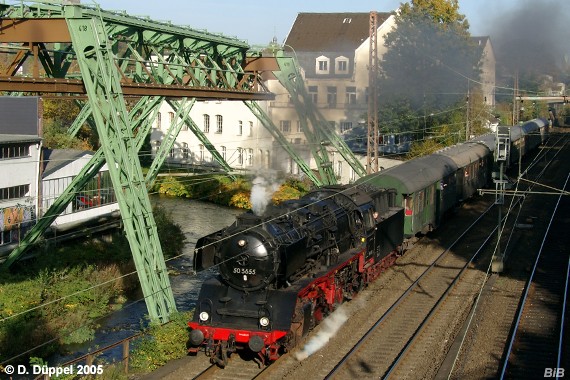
[(241, 242), (264, 321), (204, 316)]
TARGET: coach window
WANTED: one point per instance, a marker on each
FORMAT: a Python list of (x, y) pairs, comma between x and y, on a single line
[(409, 205)]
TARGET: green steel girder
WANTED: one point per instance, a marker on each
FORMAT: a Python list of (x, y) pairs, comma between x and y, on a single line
[(82, 118), (321, 134), (202, 137), (140, 116), (206, 65), (102, 81), (282, 140), (183, 108)]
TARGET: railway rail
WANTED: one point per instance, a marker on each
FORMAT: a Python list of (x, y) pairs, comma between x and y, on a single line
[(537, 347), (445, 338), (405, 325), (461, 297)]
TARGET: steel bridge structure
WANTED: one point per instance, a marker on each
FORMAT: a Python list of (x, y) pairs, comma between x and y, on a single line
[(119, 69)]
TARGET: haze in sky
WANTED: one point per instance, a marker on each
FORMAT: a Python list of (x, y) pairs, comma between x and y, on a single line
[(258, 21)]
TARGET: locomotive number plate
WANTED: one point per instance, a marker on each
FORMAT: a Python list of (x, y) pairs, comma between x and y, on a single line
[(244, 271)]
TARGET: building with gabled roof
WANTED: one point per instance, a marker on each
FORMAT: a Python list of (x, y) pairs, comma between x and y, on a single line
[(333, 52)]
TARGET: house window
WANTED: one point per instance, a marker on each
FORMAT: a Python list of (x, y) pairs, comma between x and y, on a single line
[(350, 95), (322, 65), (206, 123), (158, 120), (331, 96), (299, 130), (240, 156), (185, 151), (250, 132), (352, 175), (171, 153), (201, 150), (240, 127), (219, 123), (314, 94), (341, 65), (14, 192), (250, 157), (171, 118), (285, 126), (224, 153), (339, 169), (14, 151)]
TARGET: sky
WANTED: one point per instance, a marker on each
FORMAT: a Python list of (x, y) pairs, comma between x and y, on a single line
[(258, 21)]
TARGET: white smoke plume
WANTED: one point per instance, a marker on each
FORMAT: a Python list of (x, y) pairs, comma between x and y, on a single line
[(331, 325), (264, 185)]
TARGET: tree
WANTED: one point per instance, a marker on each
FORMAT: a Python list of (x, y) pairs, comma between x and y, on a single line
[(58, 115), (429, 61)]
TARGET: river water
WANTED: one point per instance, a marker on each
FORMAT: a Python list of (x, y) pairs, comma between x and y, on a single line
[(196, 219)]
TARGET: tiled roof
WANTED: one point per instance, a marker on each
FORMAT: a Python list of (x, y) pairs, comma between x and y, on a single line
[(330, 31)]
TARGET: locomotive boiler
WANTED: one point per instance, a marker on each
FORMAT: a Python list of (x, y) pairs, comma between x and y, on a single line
[(281, 272)]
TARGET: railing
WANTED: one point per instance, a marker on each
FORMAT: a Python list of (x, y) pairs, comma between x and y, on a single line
[(90, 357)]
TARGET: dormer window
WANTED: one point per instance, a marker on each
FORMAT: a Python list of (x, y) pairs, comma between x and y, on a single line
[(341, 65), (322, 65)]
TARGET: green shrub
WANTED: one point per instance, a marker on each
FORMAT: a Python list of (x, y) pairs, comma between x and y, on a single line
[(161, 343)]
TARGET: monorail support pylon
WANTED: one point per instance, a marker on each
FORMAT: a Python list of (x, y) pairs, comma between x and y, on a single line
[(105, 96)]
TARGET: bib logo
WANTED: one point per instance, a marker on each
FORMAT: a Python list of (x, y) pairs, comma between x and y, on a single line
[(554, 372)]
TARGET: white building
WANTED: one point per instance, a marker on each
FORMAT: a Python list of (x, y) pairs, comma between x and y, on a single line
[(333, 52), (19, 165), (230, 126), (334, 62), (95, 203), (31, 178)]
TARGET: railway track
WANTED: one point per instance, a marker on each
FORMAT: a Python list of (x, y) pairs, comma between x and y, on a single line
[(486, 340), (428, 308), (537, 346), (422, 342)]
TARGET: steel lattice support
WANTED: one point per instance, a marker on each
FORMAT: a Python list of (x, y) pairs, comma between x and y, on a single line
[(140, 116), (103, 85), (313, 124), (282, 140), (372, 146)]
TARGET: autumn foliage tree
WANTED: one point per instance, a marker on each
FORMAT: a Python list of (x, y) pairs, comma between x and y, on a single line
[(58, 116), (429, 65)]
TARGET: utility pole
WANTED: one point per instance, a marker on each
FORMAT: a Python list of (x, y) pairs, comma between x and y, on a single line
[(515, 96), (467, 120), (502, 155), (372, 146)]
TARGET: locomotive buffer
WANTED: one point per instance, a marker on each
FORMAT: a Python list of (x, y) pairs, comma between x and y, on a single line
[(502, 155)]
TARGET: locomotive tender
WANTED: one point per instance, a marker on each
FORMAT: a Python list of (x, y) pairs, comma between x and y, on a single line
[(282, 272)]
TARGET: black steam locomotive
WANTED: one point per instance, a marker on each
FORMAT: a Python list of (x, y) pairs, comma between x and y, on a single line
[(282, 272)]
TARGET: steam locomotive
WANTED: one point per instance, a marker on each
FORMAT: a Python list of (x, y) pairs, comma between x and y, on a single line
[(282, 272)]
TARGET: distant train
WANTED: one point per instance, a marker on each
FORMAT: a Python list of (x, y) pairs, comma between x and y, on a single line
[(282, 272)]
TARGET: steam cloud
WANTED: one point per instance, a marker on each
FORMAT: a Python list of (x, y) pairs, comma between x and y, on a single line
[(330, 327), (264, 185), (531, 35)]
